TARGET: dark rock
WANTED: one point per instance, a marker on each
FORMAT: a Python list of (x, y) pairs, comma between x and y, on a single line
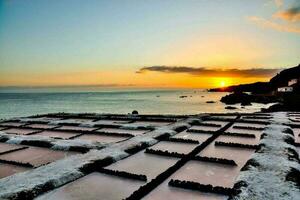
[(246, 99), (183, 96), (246, 103), (230, 108), (210, 102), (135, 112)]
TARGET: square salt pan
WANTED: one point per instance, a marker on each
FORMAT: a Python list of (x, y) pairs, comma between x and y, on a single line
[(239, 155), (35, 156), (150, 123), (102, 138), (95, 186), (75, 128), (178, 147), (205, 128), (145, 164), (201, 137), (126, 131), (249, 125), (238, 139), (222, 123), (8, 169), (164, 192), (15, 124), (57, 134), (41, 126), (208, 173), (20, 131), (9, 147), (111, 122)]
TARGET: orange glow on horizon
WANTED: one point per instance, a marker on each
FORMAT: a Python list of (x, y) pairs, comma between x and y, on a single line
[(124, 79)]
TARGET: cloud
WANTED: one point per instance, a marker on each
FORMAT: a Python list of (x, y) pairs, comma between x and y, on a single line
[(278, 3), (201, 71), (292, 14), (274, 25)]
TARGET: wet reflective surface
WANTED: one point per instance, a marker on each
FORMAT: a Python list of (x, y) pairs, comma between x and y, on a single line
[(95, 186), (111, 122), (239, 155), (205, 128), (208, 173), (257, 133), (145, 164), (19, 131), (165, 192), (8, 147), (249, 125), (101, 138), (57, 134), (201, 137), (222, 123), (41, 126), (35, 156), (238, 139), (150, 123), (116, 130), (174, 147), (12, 124), (77, 128), (8, 169)]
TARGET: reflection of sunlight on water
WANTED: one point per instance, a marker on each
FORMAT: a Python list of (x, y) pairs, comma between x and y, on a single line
[(146, 102)]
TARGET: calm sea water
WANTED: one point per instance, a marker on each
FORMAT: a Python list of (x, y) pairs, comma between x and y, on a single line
[(30, 102)]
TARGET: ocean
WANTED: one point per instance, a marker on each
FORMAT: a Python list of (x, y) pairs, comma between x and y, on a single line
[(17, 103)]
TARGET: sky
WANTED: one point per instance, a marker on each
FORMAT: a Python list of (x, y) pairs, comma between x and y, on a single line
[(148, 43)]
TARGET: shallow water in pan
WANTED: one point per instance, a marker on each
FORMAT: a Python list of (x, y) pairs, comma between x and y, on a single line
[(95, 186), (165, 192), (222, 123), (36, 156), (111, 122), (145, 164), (8, 169), (16, 124), (239, 155), (208, 173), (117, 130), (76, 128), (205, 128), (174, 147), (201, 137), (101, 138), (19, 131), (150, 123), (257, 133), (41, 126), (249, 125), (8, 147), (238, 139), (57, 134)]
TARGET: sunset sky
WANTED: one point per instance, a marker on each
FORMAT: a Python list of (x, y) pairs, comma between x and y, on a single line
[(146, 43)]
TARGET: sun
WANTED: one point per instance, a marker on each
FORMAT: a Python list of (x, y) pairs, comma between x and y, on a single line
[(222, 83)]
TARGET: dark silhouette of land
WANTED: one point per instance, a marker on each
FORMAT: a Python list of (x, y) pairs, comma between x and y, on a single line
[(283, 88)]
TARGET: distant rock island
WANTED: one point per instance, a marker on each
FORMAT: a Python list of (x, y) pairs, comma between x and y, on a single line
[(283, 88)]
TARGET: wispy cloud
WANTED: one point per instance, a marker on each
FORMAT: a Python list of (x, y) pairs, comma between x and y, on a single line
[(291, 14), (264, 23), (254, 72)]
